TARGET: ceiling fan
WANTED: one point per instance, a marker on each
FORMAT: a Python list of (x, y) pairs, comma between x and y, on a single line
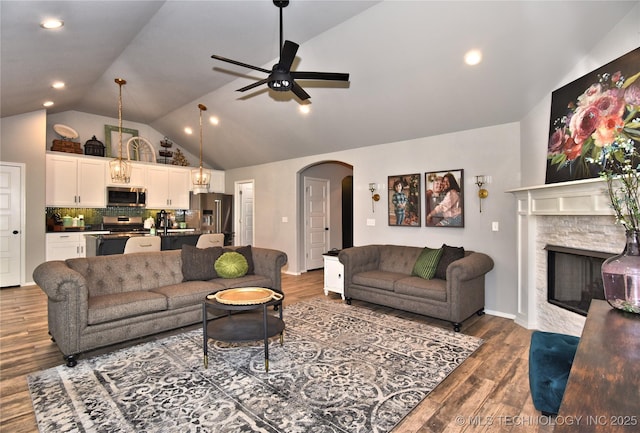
[(281, 78)]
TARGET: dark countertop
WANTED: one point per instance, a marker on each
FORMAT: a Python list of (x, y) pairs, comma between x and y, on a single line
[(172, 233)]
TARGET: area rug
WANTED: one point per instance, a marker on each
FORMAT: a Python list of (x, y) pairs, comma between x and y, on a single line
[(342, 368)]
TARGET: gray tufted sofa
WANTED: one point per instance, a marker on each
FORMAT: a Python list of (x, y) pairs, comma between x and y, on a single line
[(98, 301), (381, 274)]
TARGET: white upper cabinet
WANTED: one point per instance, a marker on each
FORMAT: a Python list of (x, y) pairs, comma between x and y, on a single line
[(217, 181), (75, 181), (168, 187)]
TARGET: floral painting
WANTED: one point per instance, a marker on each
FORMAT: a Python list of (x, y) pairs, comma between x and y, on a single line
[(594, 117), (444, 198), (404, 200)]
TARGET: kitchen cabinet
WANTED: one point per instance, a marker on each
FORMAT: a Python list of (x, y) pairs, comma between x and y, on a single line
[(75, 181), (168, 187), (62, 246), (217, 181)]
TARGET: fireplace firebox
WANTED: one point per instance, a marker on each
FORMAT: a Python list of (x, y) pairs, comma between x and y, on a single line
[(574, 277)]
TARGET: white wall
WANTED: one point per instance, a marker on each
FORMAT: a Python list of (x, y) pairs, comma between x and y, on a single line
[(489, 151), (623, 38), (23, 140), (88, 125)]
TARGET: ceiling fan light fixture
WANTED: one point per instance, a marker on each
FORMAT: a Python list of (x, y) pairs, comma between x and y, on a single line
[(200, 177), (281, 78)]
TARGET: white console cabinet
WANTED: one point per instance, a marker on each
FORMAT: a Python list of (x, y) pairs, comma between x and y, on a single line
[(333, 275)]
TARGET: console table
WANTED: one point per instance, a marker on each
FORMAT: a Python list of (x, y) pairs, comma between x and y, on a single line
[(603, 391)]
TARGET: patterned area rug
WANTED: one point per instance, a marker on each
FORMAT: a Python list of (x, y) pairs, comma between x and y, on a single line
[(341, 369)]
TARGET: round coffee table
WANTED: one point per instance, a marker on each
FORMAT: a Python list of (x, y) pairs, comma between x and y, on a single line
[(247, 318)]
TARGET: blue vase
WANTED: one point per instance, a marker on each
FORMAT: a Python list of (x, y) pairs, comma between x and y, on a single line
[(621, 276)]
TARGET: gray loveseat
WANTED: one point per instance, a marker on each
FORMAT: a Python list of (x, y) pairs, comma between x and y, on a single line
[(98, 301), (382, 274)]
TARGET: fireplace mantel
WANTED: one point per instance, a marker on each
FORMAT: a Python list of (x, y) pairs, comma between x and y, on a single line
[(579, 215), (580, 197)]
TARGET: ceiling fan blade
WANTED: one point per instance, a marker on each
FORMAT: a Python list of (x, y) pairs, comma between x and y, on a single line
[(244, 65), (334, 76), (299, 91), (253, 85), (287, 56)]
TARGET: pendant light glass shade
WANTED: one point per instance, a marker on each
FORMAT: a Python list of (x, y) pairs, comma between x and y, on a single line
[(119, 168), (201, 177)]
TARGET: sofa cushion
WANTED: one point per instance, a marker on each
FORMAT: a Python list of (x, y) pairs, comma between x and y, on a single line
[(397, 258), (378, 279), (105, 308), (247, 253), (231, 265), (426, 264), (119, 273), (449, 255), (246, 281), (435, 289), (198, 263), (187, 293)]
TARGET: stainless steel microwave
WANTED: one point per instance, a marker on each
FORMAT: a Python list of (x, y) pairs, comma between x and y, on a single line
[(126, 197)]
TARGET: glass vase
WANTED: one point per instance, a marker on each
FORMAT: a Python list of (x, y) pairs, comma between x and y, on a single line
[(621, 276)]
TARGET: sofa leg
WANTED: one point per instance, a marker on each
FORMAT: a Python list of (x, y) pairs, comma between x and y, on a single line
[(348, 301), (456, 326), (480, 312), (71, 360)]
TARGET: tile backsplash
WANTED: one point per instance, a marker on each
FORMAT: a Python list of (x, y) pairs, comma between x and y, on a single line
[(93, 216)]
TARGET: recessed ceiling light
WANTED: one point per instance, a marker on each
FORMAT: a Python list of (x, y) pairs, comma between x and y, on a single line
[(51, 24), (214, 120), (48, 103), (188, 130), (305, 109), (58, 85), (473, 57)]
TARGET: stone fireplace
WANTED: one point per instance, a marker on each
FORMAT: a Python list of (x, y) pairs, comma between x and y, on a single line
[(572, 215)]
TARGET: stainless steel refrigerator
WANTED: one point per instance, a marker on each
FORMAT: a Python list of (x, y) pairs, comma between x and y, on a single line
[(212, 213)]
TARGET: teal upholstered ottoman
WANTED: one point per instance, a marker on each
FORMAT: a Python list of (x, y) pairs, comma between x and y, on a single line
[(550, 359)]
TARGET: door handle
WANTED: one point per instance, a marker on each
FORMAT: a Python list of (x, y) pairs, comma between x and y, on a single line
[(15, 232)]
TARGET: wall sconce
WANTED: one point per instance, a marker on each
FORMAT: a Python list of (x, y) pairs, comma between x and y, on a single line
[(482, 193), (374, 197)]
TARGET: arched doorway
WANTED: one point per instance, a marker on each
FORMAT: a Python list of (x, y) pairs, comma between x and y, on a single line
[(322, 222)]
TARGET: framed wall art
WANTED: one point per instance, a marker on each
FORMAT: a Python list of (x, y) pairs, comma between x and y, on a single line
[(111, 144), (594, 114), (444, 198), (404, 200)]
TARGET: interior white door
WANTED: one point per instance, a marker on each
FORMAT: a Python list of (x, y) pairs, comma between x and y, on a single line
[(316, 216), (10, 225), (244, 209), (246, 205)]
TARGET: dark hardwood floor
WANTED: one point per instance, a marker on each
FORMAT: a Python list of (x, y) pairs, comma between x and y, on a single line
[(488, 392)]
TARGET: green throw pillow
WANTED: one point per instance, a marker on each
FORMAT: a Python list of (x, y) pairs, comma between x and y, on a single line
[(231, 265), (427, 263)]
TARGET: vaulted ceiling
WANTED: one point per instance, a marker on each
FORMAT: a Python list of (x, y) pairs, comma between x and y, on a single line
[(408, 78)]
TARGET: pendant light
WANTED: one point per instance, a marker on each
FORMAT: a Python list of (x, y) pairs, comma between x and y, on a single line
[(200, 177), (119, 168)]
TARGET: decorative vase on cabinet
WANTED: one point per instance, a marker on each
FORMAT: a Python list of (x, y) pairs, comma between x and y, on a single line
[(621, 276)]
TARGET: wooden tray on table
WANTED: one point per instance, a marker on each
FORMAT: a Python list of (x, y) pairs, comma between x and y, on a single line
[(245, 296)]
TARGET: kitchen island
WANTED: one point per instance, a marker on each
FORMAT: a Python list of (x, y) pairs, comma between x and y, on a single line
[(107, 244)]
